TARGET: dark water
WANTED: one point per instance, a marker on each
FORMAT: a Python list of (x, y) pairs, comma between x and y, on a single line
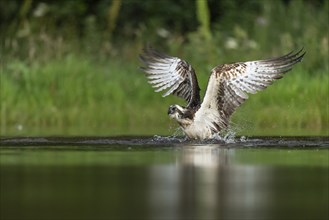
[(164, 178)]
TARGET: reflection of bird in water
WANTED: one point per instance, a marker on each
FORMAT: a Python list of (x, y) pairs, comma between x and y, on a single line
[(227, 88), (206, 156)]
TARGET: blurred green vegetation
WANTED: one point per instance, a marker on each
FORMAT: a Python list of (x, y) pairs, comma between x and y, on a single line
[(71, 67)]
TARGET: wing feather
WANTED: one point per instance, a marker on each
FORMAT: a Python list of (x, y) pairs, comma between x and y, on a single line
[(230, 84), (172, 74)]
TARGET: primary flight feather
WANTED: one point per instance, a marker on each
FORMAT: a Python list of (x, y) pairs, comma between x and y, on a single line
[(228, 87)]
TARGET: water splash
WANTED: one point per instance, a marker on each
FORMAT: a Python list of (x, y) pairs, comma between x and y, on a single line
[(243, 139), (178, 132), (229, 137)]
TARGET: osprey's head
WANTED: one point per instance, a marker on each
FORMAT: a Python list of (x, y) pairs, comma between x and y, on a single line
[(183, 116)]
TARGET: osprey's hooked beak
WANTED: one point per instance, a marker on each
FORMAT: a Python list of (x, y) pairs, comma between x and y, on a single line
[(177, 112), (180, 114)]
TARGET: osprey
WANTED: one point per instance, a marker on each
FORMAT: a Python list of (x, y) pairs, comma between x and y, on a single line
[(228, 88)]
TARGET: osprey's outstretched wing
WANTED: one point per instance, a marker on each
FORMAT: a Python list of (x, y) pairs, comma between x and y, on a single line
[(172, 74), (229, 84)]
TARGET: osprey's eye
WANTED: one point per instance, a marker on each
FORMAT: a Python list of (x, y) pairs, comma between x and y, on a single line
[(172, 110)]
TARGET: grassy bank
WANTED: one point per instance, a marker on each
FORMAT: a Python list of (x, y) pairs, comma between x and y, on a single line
[(71, 67), (78, 96)]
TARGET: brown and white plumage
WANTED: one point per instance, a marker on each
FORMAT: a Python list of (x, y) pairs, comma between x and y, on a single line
[(228, 87), (173, 74)]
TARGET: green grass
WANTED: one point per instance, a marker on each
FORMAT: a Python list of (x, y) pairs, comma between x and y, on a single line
[(77, 95), (64, 78)]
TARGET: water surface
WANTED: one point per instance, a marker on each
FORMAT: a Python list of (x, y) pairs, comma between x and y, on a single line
[(164, 178)]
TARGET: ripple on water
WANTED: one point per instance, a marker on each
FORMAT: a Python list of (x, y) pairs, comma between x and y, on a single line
[(228, 140)]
